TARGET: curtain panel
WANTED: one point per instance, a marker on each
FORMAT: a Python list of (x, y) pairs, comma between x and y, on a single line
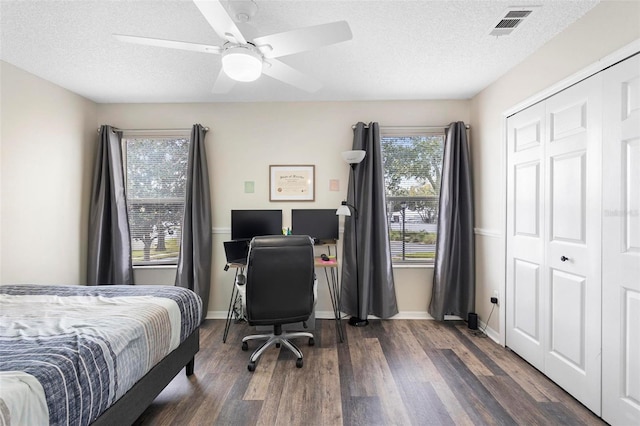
[(194, 263), (377, 289), (454, 286), (109, 251)]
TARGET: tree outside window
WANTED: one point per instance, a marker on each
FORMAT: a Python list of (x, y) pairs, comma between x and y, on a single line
[(413, 169)]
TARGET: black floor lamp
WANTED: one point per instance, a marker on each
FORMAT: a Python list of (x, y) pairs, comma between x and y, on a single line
[(354, 158)]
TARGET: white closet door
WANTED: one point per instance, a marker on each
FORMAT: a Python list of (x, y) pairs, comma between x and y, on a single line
[(572, 290), (554, 238), (621, 245), (525, 248)]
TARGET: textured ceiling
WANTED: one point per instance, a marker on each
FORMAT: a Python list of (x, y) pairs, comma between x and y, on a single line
[(400, 49)]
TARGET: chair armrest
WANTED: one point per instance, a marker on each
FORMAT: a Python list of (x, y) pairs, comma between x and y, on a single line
[(315, 289)]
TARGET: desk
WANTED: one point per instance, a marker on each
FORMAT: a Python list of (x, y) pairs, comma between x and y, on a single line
[(330, 269)]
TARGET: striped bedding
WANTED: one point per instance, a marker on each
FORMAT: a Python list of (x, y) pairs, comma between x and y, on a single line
[(68, 352)]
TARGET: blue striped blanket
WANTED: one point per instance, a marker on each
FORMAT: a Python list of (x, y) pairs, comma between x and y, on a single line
[(76, 350)]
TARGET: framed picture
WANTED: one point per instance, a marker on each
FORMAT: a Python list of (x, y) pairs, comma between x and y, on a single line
[(292, 183)]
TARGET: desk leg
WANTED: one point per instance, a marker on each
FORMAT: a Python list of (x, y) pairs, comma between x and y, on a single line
[(334, 294), (232, 302)]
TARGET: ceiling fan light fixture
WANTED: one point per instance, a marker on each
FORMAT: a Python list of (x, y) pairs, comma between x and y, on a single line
[(242, 63)]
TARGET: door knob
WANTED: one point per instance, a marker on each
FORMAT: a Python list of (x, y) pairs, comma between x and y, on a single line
[(564, 258)]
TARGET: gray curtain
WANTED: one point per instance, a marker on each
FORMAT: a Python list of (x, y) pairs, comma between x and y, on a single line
[(109, 258), (454, 285), (194, 264), (377, 289)]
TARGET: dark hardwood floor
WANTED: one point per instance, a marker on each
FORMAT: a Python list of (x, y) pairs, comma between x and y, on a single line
[(394, 372)]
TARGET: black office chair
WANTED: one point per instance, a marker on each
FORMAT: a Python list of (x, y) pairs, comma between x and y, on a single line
[(279, 288)]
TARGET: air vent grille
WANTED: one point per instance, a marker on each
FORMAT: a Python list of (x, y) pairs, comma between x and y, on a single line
[(517, 14), (511, 19), (508, 23)]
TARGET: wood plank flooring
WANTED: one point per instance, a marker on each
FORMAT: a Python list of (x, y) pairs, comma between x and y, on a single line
[(394, 372)]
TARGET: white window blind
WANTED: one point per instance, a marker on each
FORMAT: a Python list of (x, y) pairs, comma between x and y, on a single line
[(156, 174), (412, 161)]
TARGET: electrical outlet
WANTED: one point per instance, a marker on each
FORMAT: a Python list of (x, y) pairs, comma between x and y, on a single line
[(495, 297)]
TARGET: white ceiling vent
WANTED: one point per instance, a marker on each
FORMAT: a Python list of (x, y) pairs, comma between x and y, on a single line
[(511, 19)]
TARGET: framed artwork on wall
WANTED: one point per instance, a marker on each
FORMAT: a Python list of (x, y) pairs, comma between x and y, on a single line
[(292, 182)]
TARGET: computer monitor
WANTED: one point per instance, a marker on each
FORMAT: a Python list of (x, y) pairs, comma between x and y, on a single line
[(319, 224), (246, 224)]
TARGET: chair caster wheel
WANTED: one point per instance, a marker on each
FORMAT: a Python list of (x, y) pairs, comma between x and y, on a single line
[(245, 346), (299, 363), (311, 341), (251, 366)]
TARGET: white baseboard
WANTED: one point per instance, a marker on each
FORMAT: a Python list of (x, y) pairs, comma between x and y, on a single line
[(490, 332), (223, 315), (402, 315)]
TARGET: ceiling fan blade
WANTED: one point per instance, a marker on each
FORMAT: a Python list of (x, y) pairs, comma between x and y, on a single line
[(223, 83), (283, 72), (303, 39), (217, 16), (173, 44)]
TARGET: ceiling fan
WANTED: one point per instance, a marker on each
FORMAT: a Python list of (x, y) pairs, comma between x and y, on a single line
[(246, 61)]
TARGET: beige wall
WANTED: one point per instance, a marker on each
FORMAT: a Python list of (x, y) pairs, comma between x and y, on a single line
[(245, 138), (47, 155), (606, 28), (48, 136), (48, 140)]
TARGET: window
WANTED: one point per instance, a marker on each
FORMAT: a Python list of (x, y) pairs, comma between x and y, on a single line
[(412, 161), (156, 175)]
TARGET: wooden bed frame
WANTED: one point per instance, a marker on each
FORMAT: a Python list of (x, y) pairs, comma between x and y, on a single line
[(127, 409)]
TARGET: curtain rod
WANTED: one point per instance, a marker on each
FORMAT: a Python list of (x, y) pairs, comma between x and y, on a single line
[(366, 126), (206, 129)]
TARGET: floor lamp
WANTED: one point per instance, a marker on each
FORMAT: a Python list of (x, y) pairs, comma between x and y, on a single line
[(354, 158)]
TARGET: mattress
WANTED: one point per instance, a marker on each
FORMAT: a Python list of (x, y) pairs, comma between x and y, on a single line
[(68, 352)]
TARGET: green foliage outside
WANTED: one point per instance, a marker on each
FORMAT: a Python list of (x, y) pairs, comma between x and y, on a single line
[(413, 169), (171, 251), (414, 237), (425, 255), (413, 165)]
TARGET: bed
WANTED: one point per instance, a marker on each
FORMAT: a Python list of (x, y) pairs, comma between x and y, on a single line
[(78, 355)]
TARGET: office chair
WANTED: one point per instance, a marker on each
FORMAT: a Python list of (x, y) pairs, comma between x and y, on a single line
[(279, 288)]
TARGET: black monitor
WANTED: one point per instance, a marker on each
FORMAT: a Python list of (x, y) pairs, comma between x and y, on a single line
[(319, 224), (246, 224)]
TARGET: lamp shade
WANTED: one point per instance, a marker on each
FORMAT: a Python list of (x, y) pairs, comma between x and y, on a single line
[(353, 157), (241, 63), (343, 210)]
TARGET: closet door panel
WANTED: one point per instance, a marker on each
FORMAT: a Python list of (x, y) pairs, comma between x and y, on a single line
[(527, 199), (621, 245), (525, 308), (568, 314), (573, 241), (631, 193), (526, 289), (568, 196)]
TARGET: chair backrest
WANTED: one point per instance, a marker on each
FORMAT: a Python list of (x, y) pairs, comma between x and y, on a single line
[(280, 278)]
